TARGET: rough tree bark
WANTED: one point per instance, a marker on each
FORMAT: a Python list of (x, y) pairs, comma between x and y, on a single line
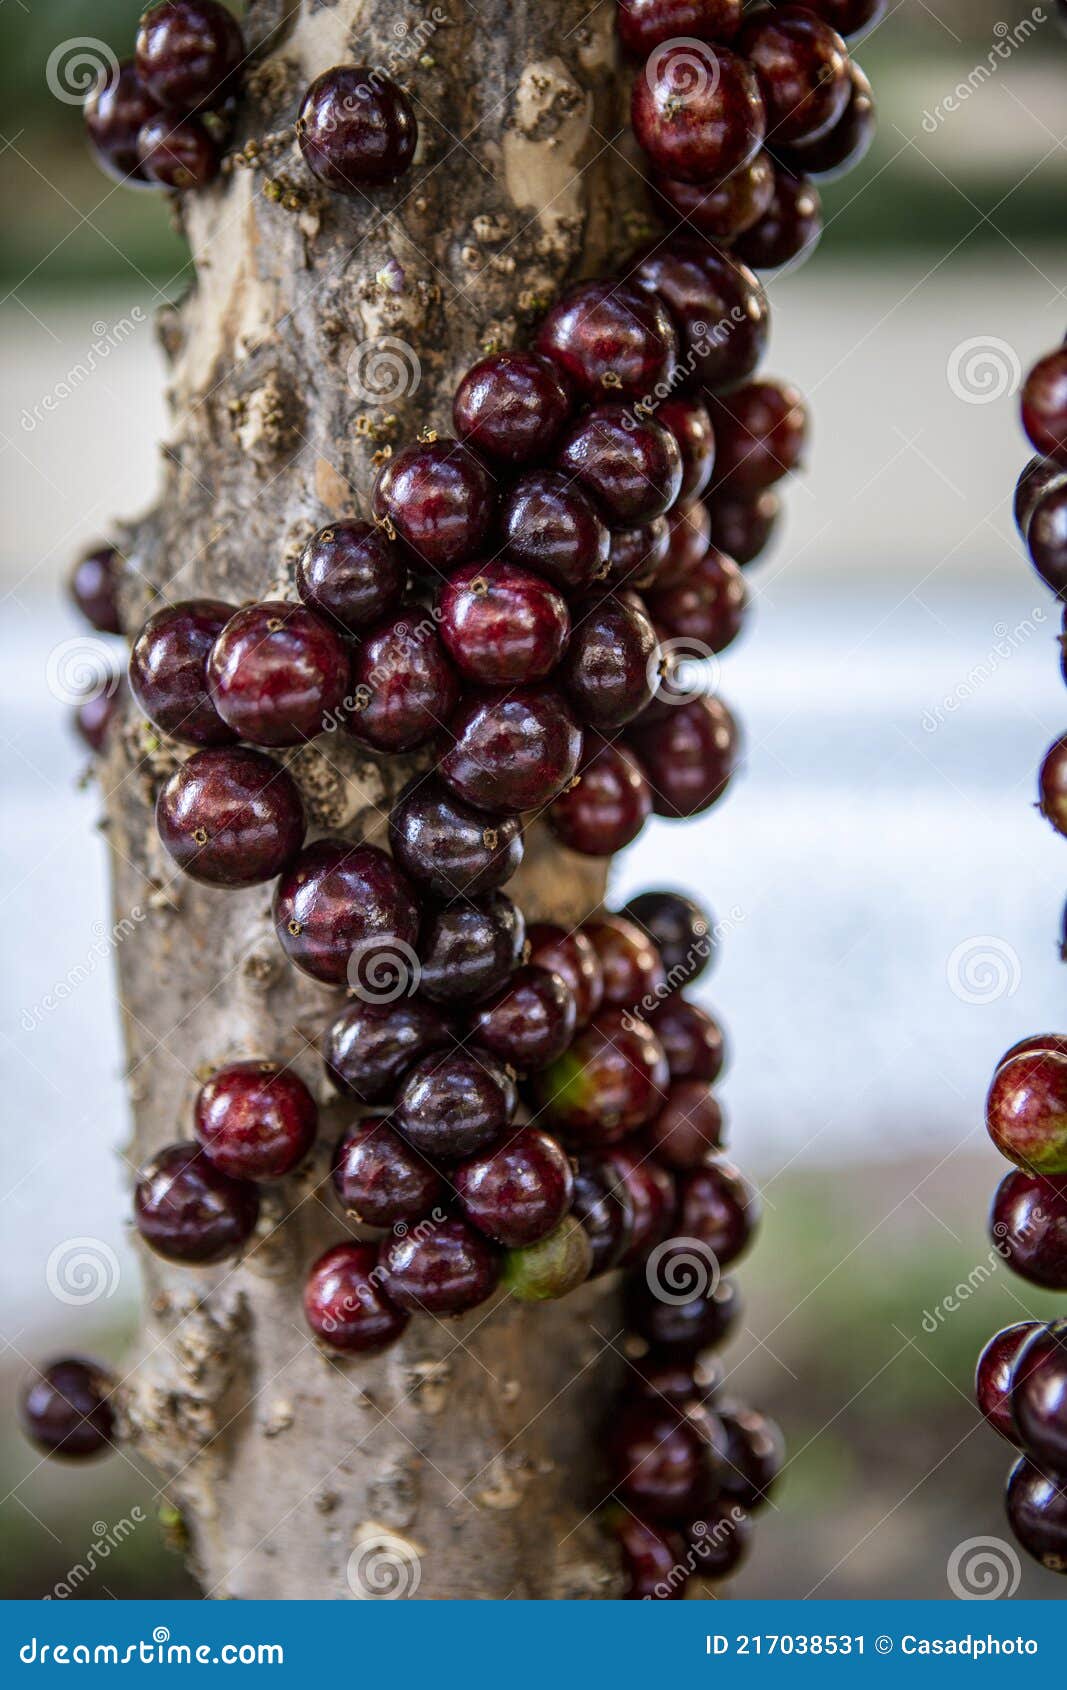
[(464, 1462)]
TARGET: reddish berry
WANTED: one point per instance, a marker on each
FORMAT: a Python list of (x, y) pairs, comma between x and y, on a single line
[(370, 1046), (94, 716), (849, 17), (231, 817), (519, 1192), (345, 1305), (116, 111), (652, 1194), (718, 1207), (188, 1210), (1026, 1110), (755, 1454), (605, 335), (611, 1081), (356, 129), (550, 527), (611, 655), (702, 1321), (501, 625), (512, 752), (572, 957), (717, 303), (449, 848), (1037, 1514), (802, 66), (440, 1268), (688, 1127), (168, 671), (438, 497), (511, 406), (644, 24), (743, 527), (633, 972), (276, 674), (690, 423), (403, 688), (380, 1179), (454, 1103), (658, 1458), (692, 1040), (609, 804), (993, 1376), (654, 1559), (470, 949), (345, 914), (1039, 1395), (1029, 1227), (761, 430), (631, 468), (706, 608), (189, 53), (530, 1021), (697, 112), (692, 751), (842, 147), (94, 585), (723, 210), (178, 152), (603, 1205), (350, 575), (255, 1120), (789, 230)]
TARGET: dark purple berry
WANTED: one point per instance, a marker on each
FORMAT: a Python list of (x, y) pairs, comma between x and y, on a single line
[(370, 1046), (168, 671), (570, 955), (438, 497), (529, 1022), (115, 112), (755, 1454), (696, 111), (645, 24), (519, 1192), (611, 1081), (550, 527), (1039, 1396), (993, 1376), (1046, 535), (690, 536), (688, 1127), (717, 1206), (454, 1103), (188, 1210), (94, 716), (789, 230), (255, 1120), (231, 817), (605, 810), (717, 303), (1037, 1513), (1052, 794), (94, 588), (719, 1539), (704, 1320), (502, 625), (604, 335), (743, 527), (690, 423), (277, 675), (631, 467), (652, 1195), (439, 1268), (654, 1559), (1029, 1227), (761, 431), (602, 1203), (679, 929), (511, 406), (1044, 406), (691, 1039), (379, 1179), (64, 1409), (403, 688), (611, 655), (658, 1460), (723, 210), (356, 129), (345, 914), (691, 754), (350, 575), (512, 752), (449, 848), (845, 145), (802, 67), (178, 152), (189, 54), (637, 555), (470, 949), (705, 609), (345, 1305), (632, 970)]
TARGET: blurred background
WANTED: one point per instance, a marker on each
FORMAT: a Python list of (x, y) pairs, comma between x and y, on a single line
[(891, 900)]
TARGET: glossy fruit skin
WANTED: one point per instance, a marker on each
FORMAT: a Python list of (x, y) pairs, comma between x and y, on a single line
[(187, 1210), (344, 1304), (645, 24), (718, 304), (369, 1048), (723, 210), (697, 112), (692, 753), (529, 1022), (339, 903), (1052, 790), (94, 715), (610, 1082), (276, 674), (632, 469), (688, 420), (718, 1206), (356, 129), (94, 588), (231, 817), (438, 497), (552, 1268), (403, 687), (703, 1322), (511, 406), (454, 1103), (1035, 1044), (637, 555), (719, 1539), (572, 957), (1044, 406), (844, 146), (255, 1120), (707, 607), (688, 1128), (189, 53), (653, 1197), (608, 807), (632, 969), (658, 1460), (1029, 1227), (755, 1454), (677, 1379), (441, 1270), (450, 848), (512, 752), (550, 527), (692, 1040), (802, 68), (690, 527), (379, 1179), (606, 336), (743, 527), (470, 949), (603, 1205), (849, 17), (519, 1192), (762, 431), (64, 1408), (789, 230), (1037, 1513), (1035, 480), (653, 1558), (680, 930), (605, 673), (1046, 538), (1026, 1111), (1039, 1396), (501, 624), (350, 575), (115, 112), (168, 671), (178, 152)]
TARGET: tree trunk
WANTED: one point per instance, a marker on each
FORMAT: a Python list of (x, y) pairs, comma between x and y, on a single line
[(320, 332)]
